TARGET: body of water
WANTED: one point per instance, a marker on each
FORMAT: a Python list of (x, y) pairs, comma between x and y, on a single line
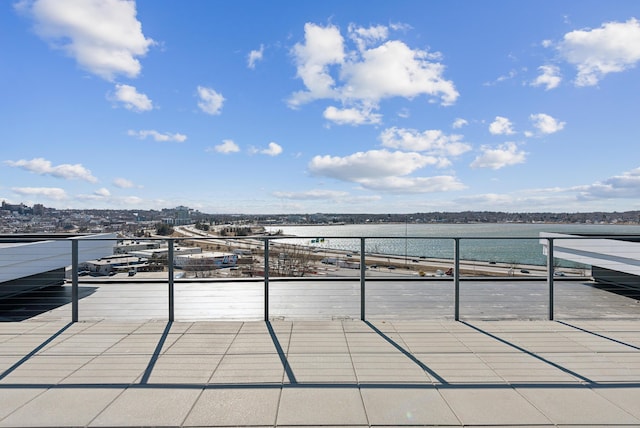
[(433, 240)]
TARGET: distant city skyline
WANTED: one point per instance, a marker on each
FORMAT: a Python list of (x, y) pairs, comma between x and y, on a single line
[(300, 107)]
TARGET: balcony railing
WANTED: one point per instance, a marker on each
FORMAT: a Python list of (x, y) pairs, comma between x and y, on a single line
[(294, 276)]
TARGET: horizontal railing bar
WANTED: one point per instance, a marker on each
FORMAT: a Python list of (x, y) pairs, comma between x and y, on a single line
[(271, 238)]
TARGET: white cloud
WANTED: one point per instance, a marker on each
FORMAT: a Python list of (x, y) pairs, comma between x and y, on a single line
[(255, 56), (549, 77), (103, 36), (504, 155), (364, 37), (381, 170), (625, 186), (395, 70), (210, 101), (324, 46), (157, 136), (459, 123), (102, 192), (123, 183), (131, 98), (432, 141), (54, 193), (546, 124), (42, 166), (274, 149), (351, 116), (369, 74), (441, 183), (501, 126), (369, 165), (614, 47), (317, 194), (227, 146), (512, 74)]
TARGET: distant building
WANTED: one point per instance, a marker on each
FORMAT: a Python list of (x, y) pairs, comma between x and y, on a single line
[(127, 246), (183, 216), (115, 264), (206, 260)]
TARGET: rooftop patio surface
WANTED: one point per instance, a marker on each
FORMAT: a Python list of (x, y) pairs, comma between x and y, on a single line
[(320, 373)]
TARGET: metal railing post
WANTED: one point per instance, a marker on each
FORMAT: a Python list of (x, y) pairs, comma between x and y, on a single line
[(74, 281), (363, 268), (266, 280), (171, 290), (550, 274), (456, 278)]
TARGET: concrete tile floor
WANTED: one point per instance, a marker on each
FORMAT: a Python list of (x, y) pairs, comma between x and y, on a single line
[(320, 373)]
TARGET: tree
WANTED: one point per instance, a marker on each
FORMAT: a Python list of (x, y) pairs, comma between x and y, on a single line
[(293, 260), (164, 229)]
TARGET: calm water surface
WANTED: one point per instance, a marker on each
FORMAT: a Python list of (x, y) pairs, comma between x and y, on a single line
[(430, 240)]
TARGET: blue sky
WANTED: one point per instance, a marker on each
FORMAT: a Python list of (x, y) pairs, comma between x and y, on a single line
[(333, 106)]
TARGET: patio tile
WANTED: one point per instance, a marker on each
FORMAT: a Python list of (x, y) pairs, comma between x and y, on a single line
[(423, 406), (83, 405), (148, 407), (577, 405), (14, 398), (311, 368), (321, 406), (492, 406), (235, 407)]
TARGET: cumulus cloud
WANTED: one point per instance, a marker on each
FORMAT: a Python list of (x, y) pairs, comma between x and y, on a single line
[(274, 149), (504, 155), (351, 116), (501, 126), (612, 48), (210, 101), (227, 146), (432, 141), (42, 166), (157, 136), (255, 56), (459, 123), (626, 185), (131, 98), (377, 69), (123, 183), (546, 124), (369, 165), (324, 46), (316, 194), (103, 36), (382, 170), (102, 192), (549, 77), (441, 183), (364, 37), (54, 193)]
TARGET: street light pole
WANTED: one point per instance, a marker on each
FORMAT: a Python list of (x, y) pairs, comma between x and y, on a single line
[(406, 239)]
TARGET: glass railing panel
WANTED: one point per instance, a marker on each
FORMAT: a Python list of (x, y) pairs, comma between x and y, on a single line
[(33, 279), (306, 299), (218, 300), (610, 288), (503, 279), (429, 298)]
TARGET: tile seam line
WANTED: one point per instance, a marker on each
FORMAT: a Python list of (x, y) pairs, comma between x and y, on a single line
[(275, 421), (195, 401), (355, 374)]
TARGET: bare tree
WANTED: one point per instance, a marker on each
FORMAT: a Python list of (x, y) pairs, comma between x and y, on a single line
[(292, 260)]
